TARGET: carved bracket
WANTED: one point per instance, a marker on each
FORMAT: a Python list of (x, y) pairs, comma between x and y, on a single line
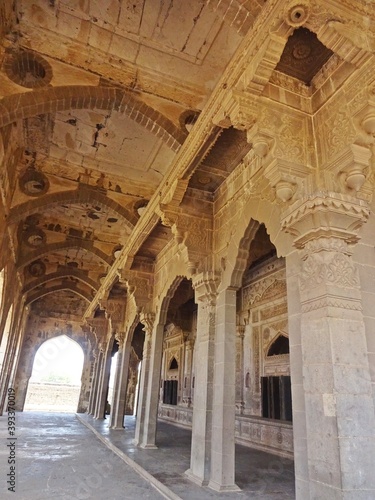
[(205, 286), (193, 234), (139, 284)]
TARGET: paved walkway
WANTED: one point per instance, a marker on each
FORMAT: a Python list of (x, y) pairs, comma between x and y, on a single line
[(66, 456), (58, 458), (259, 475)]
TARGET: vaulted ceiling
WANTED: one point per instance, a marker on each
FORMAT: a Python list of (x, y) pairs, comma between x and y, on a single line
[(97, 98)]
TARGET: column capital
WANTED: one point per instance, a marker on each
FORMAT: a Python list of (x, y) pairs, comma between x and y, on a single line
[(147, 319), (325, 215), (205, 285), (241, 331), (120, 338)]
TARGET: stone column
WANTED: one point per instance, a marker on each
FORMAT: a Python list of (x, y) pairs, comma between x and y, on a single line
[(119, 393), (103, 381), (200, 459), (240, 403), (153, 386), (188, 366), (89, 361), (95, 380), (148, 321), (132, 383), (333, 408), (223, 421)]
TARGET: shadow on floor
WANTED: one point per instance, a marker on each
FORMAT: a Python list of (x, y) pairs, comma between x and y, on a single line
[(260, 475)]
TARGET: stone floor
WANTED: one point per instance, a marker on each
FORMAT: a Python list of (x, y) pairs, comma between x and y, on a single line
[(60, 458)]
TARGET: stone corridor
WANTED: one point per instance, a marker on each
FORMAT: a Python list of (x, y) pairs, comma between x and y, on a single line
[(70, 456)]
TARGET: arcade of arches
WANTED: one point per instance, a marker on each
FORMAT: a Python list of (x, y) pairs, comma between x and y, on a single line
[(190, 184)]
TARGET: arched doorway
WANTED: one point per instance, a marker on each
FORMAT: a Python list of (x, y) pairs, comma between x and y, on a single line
[(55, 381)]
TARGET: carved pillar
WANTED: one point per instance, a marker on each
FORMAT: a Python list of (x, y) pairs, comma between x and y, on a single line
[(223, 417), (188, 366), (200, 460), (147, 319), (240, 403), (333, 408), (153, 386), (121, 382), (132, 383), (106, 346), (95, 380)]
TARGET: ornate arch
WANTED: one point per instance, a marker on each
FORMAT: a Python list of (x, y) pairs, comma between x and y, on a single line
[(41, 293), (52, 99), (76, 273), (53, 247), (171, 289), (83, 194)]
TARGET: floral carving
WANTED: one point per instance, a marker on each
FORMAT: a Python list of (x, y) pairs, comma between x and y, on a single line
[(338, 271)]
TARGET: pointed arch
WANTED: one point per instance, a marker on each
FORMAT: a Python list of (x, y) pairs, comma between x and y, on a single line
[(41, 293), (62, 245), (76, 273), (278, 345), (52, 99), (53, 357), (83, 194), (172, 287)]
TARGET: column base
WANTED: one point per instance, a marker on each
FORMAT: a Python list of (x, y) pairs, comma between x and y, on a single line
[(195, 479), (148, 446), (117, 428), (220, 488)]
